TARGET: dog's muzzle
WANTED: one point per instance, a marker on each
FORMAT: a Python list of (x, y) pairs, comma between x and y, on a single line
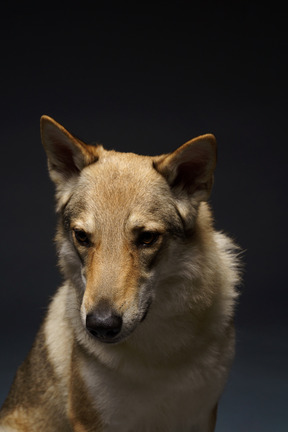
[(104, 323)]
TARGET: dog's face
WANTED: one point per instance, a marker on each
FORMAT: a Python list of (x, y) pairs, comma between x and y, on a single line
[(116, 223), (119, 213)]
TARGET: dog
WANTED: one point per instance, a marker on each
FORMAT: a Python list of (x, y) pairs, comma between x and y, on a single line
[(140, 336)]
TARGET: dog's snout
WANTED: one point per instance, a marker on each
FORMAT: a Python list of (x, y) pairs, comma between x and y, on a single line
[(104, 323)]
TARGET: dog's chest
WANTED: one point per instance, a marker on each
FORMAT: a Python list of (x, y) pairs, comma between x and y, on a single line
[(158, 400)]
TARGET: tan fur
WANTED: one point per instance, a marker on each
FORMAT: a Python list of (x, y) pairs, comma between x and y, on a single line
[(137, 249)]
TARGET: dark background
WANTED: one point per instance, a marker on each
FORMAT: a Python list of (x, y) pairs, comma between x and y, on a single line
[(147, 80)]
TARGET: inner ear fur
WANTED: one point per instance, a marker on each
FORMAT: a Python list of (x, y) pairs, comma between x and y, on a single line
[(190, 168), (66, 154)]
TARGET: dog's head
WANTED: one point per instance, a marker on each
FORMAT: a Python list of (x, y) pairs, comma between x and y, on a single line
[(119, 212)]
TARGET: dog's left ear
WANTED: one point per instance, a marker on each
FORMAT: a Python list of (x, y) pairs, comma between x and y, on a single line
[(67, 155), (190, 168)]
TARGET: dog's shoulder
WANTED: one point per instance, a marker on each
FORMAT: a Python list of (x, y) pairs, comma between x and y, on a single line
[(40, 382)]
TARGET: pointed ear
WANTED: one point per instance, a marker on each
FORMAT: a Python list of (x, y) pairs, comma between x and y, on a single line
[(190, 168), (66, 154)]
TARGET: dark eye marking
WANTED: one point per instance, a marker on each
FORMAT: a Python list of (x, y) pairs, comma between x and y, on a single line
[(82, 237), (147, 238)]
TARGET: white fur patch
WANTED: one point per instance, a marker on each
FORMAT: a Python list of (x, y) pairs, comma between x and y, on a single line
[(59, 348)]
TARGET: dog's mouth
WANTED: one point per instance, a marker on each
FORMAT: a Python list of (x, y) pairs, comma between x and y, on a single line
[(112, 331), (148, 304), (109, 338)]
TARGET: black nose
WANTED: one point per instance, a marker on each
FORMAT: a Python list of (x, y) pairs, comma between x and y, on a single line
[(104, 323)]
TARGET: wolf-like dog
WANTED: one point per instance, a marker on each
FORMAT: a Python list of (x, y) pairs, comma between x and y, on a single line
[(140, 336)]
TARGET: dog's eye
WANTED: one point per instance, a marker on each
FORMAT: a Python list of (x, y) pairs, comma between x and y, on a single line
[(147, 238), (81, 237)]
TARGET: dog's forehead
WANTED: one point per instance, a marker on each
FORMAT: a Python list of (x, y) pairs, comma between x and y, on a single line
[(121, 186), (122, 176), (122, 165)]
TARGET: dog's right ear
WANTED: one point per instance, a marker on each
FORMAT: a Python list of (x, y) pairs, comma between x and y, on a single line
[(67, 155)]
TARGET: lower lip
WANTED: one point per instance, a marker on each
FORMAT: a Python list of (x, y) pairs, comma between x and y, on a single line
[(146, 311)]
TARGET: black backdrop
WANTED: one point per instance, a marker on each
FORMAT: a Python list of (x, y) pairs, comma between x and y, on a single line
[(147, 80)]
